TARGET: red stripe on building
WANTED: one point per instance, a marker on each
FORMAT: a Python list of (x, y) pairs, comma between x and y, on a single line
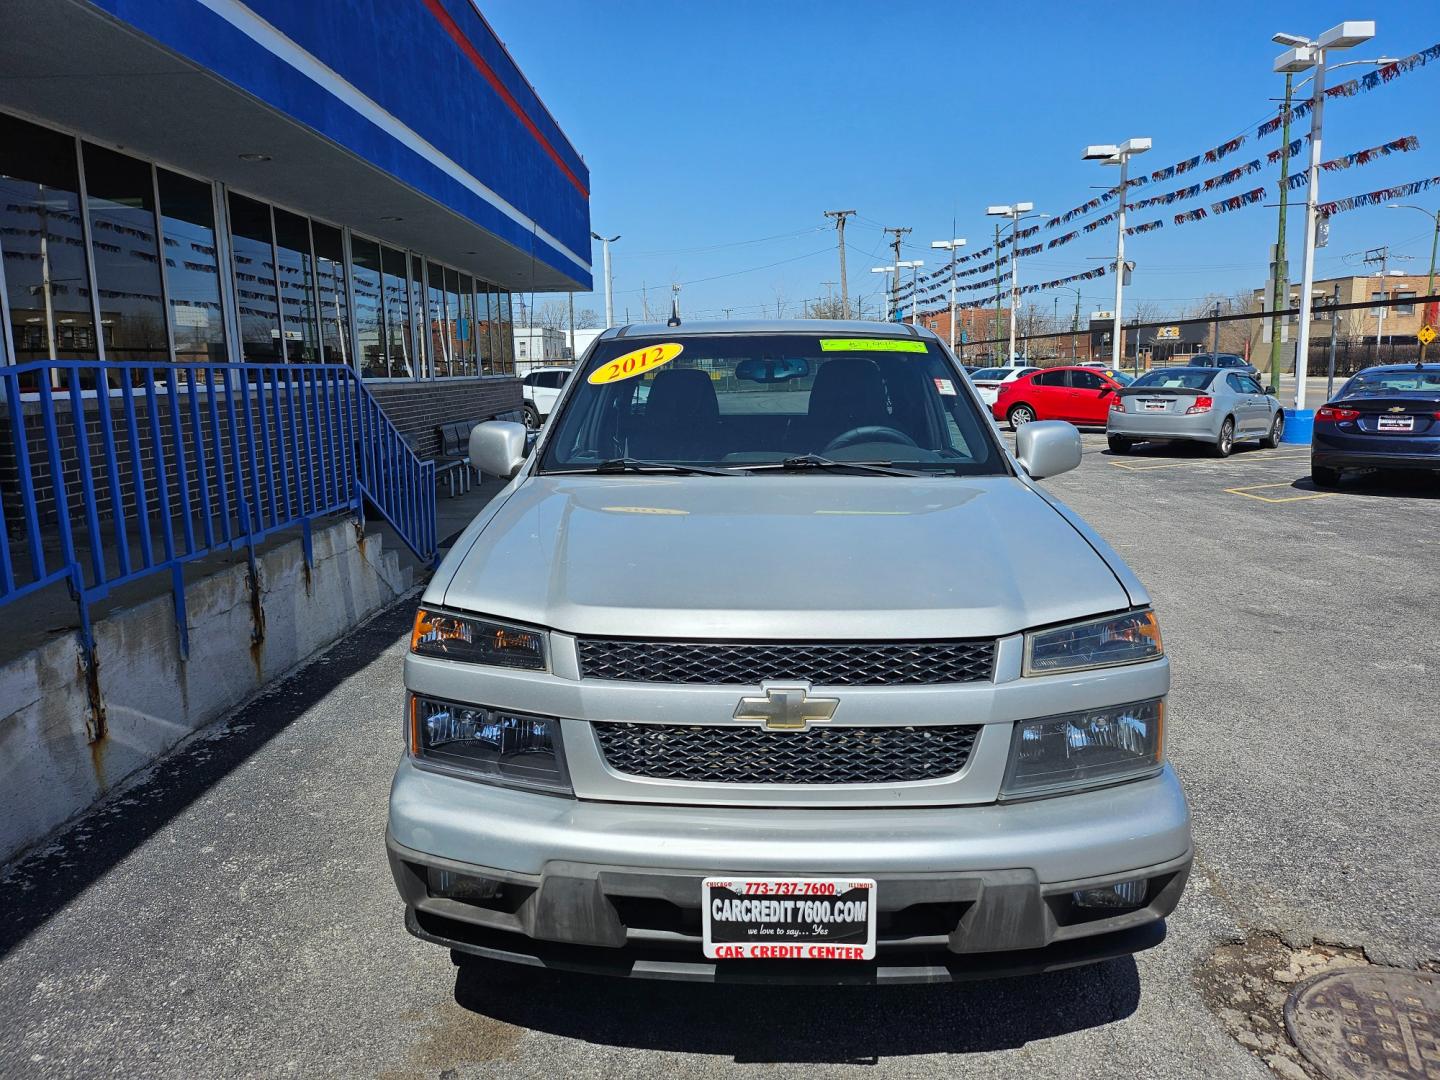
[(458, 36)]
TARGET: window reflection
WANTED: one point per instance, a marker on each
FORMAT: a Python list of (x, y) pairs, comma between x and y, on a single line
[(397, 312), (192, 268), (452, 313), (297, 287), (438, 320), (334, 299), (121, 205), (250, 242), (43, 239), (417, 305), (484, 329), (369, 317), (507, 337), (466, 326)]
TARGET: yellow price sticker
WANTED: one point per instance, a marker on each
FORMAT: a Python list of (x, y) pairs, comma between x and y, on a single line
[(870, 345), (635, 363)]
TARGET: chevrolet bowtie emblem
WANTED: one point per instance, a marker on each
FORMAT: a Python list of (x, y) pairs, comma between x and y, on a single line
[(786, 707), (1396, 408)]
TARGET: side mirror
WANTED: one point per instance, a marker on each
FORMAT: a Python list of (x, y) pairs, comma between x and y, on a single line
[(1047, 448), (1269, 389), (497, 447)]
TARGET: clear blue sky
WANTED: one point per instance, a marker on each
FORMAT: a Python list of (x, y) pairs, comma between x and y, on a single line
[(716, 134)]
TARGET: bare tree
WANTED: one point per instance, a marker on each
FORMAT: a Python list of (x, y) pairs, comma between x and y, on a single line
[(552, 315), (827, 308), (586, 319)]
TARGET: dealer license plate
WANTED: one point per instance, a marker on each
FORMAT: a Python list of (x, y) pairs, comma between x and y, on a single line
[(789, 918), (1156, 406), (1395, 423)]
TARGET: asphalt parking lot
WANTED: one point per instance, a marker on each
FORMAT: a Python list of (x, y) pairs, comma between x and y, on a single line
[(233, 915)]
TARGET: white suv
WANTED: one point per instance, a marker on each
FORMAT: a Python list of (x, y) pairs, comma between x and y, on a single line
[(541, 388)]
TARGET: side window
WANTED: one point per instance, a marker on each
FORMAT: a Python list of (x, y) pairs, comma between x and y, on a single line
[(1086, 380), (1237, 384), (531, 380), (1049, 378), (1251, 386)]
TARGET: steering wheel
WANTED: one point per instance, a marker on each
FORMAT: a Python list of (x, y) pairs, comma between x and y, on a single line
[(869, 433)]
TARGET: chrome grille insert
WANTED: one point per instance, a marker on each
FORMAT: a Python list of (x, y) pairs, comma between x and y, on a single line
[(858, 663), (709, 754)]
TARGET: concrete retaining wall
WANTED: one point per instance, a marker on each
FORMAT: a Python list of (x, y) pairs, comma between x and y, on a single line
[(50, 770)]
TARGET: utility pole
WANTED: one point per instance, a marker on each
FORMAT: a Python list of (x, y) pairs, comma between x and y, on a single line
[(572, 327), (895, 277), (996, 328), (1280, 298), (1379, 255), (840, 216), (1214, 330), (1335, 325), (830, 300), (644, 301), (1075, 326)]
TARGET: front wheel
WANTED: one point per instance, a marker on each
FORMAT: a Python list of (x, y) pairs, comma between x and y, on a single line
[(1225, 441), (531, 417), (1019, 416), (1119, 444), (1323, 475), (1277, 429)]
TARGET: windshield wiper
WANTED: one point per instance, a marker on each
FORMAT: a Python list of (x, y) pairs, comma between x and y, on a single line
[(630, 464), (815, 461)]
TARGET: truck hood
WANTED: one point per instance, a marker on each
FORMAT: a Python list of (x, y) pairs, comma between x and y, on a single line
[(781, 556)]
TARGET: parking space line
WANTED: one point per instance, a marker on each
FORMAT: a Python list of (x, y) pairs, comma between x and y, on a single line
[(1246, 492), (1279, 459)]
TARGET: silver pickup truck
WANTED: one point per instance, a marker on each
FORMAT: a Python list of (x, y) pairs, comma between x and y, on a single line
[(773, 663)]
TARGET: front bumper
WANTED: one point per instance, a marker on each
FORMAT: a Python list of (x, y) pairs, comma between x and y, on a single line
[(962, 892)]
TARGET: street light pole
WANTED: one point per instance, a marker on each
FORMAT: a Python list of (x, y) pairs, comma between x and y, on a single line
[(913, 265), (953, 246), (1281, 289), (1304, 55), (1119, 154), (886, 289), (1016, 214), (609, 281)]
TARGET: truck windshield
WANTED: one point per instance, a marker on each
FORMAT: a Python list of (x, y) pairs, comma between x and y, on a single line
[(736, 401)]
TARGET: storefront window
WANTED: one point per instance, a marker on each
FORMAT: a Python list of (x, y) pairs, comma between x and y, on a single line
[(397, 313), (467, 324), (438, 319), (369, 315), (507, 337), (297, 288), (192, 268), (250, 242), (418, 322), (43, 241), (333, 293), (485, 328), (452, 312), (121, 204)]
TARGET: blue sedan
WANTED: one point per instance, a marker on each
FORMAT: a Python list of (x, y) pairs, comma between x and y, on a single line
[(1383, 418)]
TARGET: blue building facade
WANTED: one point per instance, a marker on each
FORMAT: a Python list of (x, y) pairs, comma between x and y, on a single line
[(366, 182)]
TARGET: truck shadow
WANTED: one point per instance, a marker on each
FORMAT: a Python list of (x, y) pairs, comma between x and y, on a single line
[(802, 1025)]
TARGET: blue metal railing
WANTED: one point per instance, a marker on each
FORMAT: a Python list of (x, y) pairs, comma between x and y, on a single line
[(110, 472)]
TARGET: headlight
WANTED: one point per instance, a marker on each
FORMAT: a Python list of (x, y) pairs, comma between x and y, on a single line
[(476, 641), (1097, 643), (1085, 749), (495, 745)]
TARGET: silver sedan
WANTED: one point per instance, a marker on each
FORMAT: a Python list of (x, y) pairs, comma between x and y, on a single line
[(1196, 404)]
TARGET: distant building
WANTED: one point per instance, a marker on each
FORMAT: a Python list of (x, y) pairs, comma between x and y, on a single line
[(1402, 321), (540, 346)]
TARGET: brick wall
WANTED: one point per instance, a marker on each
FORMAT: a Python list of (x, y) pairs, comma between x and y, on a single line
[(417, 408)]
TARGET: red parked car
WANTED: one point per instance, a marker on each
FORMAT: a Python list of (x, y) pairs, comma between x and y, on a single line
[(1077, 394)]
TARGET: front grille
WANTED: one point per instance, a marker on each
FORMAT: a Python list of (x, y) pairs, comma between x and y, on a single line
[(747, 755), (861, 663)]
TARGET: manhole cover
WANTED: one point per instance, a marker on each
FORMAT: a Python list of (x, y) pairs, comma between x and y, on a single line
[(1355, 1025)]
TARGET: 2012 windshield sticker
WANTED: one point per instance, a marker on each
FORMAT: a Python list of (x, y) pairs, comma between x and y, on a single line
[(639, 362), (870, 345)]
